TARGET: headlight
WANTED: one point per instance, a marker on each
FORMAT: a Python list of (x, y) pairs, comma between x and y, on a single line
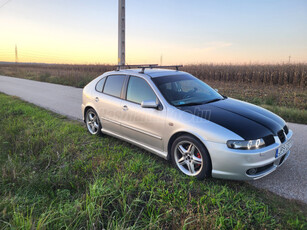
[(251, 144)]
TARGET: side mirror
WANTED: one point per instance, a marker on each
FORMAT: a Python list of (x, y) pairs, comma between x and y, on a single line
[(149, 104)]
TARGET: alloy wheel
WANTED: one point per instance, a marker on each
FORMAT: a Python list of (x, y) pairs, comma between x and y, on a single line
[(188, 158), (92, 122)]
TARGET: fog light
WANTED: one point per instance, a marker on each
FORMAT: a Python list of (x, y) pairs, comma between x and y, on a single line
[(251, 171)]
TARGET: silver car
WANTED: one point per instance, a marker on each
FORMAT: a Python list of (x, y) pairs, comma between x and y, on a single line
[(180, 118)]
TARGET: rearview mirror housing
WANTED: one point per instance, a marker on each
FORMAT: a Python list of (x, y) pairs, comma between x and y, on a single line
[(149, 104)]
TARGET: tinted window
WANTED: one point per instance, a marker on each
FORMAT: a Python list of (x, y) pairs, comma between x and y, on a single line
[(99, 85), (139, 90), (114, 84), (181, 90)]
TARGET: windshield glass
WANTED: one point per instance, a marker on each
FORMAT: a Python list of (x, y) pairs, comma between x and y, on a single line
[(181, 90)]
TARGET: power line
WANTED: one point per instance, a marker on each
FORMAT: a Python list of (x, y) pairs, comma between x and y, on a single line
[(5, 3)]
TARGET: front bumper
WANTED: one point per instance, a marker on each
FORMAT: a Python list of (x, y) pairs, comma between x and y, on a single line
[(233, 164)]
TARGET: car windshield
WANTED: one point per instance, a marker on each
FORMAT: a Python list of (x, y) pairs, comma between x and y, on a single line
[(184, 90)]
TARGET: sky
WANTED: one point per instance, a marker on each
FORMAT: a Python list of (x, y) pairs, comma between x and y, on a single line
[(157, 31)]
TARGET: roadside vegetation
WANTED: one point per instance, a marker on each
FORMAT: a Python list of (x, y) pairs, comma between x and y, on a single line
[(55, 175), (279, 88)]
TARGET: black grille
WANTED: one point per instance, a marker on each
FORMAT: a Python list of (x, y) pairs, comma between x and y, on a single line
[(286, 129), (268, 140), (281, 136), (282, 159), (264, 168)]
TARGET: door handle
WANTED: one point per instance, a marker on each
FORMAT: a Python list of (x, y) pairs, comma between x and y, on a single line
[(96, 99), (125, 107)]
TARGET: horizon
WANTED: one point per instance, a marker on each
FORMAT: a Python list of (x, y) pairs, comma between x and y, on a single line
[(220, 32), (170, 65)]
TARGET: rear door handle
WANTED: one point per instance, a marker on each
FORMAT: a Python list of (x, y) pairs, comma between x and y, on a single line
[(96, 99), (125, 107)]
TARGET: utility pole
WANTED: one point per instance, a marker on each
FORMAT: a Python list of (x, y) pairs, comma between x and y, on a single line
[(16, 54), (121, 32)]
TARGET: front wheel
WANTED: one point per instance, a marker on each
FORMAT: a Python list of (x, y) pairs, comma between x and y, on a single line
[(191, 157), (92, 122)]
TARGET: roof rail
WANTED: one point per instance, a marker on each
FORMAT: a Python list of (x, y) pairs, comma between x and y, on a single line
[(119, 67), (162, 66), (147, 66)]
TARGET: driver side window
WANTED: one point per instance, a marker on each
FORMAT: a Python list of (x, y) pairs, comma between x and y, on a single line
[(138, 90)]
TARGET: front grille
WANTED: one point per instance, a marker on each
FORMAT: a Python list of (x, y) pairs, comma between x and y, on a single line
[(286, 129), (282, 159), (268, 140), (281, 136)]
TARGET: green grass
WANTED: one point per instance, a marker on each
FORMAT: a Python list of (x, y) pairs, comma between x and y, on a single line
[(55, 175), (288, 114)]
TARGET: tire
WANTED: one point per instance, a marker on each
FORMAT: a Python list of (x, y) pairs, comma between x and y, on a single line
[(191, 157), (92, 122)]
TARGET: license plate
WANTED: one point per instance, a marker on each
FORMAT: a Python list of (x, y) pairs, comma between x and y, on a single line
[(283, 149)]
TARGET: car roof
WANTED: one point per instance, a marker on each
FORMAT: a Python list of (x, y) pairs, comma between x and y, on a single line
[(150, 72)]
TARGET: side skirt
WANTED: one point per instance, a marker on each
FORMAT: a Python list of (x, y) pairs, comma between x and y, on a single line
[(148, 148)]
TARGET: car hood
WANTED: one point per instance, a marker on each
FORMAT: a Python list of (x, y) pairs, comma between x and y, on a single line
[(246, 120)]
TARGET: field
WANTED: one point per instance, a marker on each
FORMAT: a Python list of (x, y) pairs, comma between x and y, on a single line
[(54, 175), (279, 88)]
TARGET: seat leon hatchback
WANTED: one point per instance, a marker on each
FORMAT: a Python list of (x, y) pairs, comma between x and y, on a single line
[(180, 118)]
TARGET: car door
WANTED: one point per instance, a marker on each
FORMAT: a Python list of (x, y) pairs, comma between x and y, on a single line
[(144, 125), (108, 102)]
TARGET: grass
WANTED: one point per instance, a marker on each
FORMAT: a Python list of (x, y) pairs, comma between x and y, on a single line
[(55, 175), (289, 114), (280, 88)]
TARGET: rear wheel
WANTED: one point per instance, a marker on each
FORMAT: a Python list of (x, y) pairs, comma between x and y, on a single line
[(191, 157), (92, 122)]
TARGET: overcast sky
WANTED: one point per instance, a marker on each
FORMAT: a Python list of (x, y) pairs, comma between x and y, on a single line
[(181, 31)]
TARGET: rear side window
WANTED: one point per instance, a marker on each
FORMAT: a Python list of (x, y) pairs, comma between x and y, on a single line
[(113, 85), (138, 90), (99, 85)]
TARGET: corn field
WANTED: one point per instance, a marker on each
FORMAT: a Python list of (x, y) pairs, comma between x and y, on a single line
[(80, 75), (278, 86), (295, 75)]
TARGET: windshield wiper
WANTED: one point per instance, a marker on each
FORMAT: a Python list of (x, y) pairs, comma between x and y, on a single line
[(200, 103), (191, 104), (213, 100)]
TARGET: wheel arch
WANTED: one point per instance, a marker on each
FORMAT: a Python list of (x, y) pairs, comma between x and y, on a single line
[(86, 109), (181, 133)]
